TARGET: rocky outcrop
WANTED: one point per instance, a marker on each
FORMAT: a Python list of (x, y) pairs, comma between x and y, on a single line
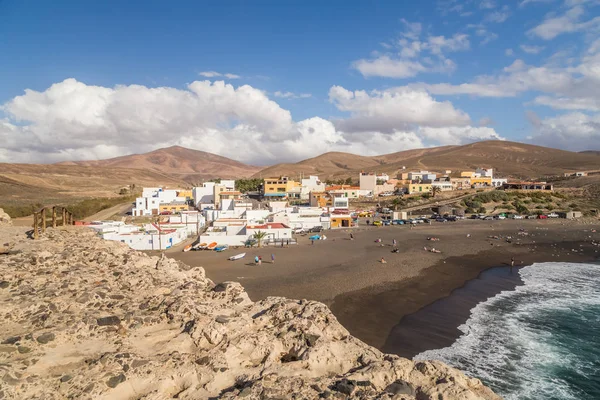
[(84, 318), (4, 218)]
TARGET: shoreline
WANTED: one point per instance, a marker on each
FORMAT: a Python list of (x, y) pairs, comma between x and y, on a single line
[(369, 298), (424, 312)]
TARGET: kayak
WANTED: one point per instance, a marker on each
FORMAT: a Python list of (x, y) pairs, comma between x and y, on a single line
[(200, 246), (187, 248), (237, 256), (221, 248), (211, 246)]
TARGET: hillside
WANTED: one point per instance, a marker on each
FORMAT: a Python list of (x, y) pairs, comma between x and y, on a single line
[(57, 183), (509, 159), (179, 162)]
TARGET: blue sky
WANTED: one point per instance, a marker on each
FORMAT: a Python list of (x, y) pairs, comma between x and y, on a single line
[(289, 80)]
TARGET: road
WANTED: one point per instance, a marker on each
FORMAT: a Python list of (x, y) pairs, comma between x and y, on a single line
[(120, 209)]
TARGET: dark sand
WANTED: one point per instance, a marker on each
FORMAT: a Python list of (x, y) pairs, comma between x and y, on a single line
[(370, 298)]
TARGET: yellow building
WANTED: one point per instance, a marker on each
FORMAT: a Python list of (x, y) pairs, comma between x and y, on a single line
[(481, 181), (279, 187), (340, 221), (173, 207), (187, 193), (419, 188), (466, 174)]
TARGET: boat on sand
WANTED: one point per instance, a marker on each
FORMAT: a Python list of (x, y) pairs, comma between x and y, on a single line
[(222, 247), (211, 246), (237, 256), (187, 248)]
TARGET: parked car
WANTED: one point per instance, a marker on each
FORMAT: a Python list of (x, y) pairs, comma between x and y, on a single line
[(474, 216), (531, 217), (377, 223), (517, 217), (500, 216), (441, 219), (315, 229), (398, 222), (553, 215), (425, 220), (299, 231), (488, 218), (451, 218), (459, 216), (542, 216), (387, 222)]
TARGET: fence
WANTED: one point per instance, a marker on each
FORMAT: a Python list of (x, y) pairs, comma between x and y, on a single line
[(40, 219)]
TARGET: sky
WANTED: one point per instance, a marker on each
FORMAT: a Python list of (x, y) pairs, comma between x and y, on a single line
[(280, 81)]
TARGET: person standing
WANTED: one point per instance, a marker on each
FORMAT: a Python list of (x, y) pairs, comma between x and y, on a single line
[(394, 243), (256, 260), (259, 260), (351, 236), (272, 258)]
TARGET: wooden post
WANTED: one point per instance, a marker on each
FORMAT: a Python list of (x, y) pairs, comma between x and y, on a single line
[(70, 218), (64, 217), (54, 217), (35, 225), (43, 220)]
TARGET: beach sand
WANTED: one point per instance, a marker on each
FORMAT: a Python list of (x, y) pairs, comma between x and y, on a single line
[(370, 298)]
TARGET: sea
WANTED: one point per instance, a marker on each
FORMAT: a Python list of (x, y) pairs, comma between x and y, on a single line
[(538, 341)]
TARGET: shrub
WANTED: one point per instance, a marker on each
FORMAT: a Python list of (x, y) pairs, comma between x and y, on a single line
[(481, 210)]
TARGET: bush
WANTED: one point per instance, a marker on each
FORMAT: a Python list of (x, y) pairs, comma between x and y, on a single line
[(470, 203), (521, 209), (21, 210), (481, 210), (539, 207), (469, 211)]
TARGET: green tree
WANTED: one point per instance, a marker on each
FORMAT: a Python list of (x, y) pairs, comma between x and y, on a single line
[(259, 236), (481, 210), (435, 190), (348, 181)]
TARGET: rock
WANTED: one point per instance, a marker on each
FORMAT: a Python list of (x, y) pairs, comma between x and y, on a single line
[(11, 340), (115, 381), (172, 332), (105, 321), (4, 284), (5, 218), (45, 337)]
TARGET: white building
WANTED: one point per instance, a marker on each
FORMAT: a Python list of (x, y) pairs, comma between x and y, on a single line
[(148, 237), (152, 198), (310, 184), (498, 182), (422, 176), (485, 172), (445, 186)]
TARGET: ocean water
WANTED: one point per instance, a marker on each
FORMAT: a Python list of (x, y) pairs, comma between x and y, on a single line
[(540, 341)]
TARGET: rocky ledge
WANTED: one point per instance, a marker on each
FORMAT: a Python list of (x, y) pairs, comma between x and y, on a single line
[(84, 318)]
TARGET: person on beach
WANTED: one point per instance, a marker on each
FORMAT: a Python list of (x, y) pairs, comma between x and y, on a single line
[(259, 260), (394, 243), (351, 236), (312, 241), (383, 260), (272, 258), (256, 260)]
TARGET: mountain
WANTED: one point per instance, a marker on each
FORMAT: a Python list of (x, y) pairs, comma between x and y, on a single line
[(509, 159), (591, 152), (185, 164)]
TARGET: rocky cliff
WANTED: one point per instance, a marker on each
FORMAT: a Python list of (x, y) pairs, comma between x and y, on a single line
[(84, 318), (4, 218)]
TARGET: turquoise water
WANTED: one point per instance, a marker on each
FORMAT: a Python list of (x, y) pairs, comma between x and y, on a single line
[(540, 341)]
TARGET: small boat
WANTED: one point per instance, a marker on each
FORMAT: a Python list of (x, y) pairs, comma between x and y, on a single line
[(200, 246), (237, 256), (315, 237), (221, 248), (211, 246), (187, 248)]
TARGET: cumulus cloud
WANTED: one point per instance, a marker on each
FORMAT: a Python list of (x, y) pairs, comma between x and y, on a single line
[(214, 74), (531, 49), (412, 54), (569, 22), (498, 16), (573, 131), (526, 2), (71, 120)]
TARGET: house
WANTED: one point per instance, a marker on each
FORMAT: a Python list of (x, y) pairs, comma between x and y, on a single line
[(485, 172), (528, 186), (148, 237), (444, 186), (417, 188), (152, 199), (340, 221), (276, 232), (570, 214), (310, 184), (173, 207), (282, 187), (498, 182), (460, 183), (332, 199), (351, 192), (481, 181), (466, 174)]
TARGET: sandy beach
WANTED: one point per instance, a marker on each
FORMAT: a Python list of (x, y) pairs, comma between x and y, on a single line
[(370, 298)]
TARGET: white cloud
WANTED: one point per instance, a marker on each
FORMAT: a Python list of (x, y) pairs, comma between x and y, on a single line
[(71, 120), (498, 16), (574, 131), (509, 52), (487, 4), (291, 95), (410, 55), (214, 74), (569, 22), (565, 103), (526, 2), (531, 49)]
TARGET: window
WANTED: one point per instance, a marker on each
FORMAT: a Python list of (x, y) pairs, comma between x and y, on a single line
[(420, 188)]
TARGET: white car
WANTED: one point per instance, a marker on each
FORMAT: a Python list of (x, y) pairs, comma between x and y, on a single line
[(517, 217), (553, 215), (501, 217), (298, 231)]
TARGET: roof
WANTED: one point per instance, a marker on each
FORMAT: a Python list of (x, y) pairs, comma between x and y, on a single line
[(274, 225), (342, 187), (232, 192), (174, 203)]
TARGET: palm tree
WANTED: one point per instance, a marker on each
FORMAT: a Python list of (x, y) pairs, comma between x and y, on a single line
[(259, 236), (435, 190)]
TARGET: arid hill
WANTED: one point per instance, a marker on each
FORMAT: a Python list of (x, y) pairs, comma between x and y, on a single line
[(178, 162), (509, 159)]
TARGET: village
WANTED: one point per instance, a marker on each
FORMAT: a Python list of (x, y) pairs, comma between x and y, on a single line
[(218, 215)]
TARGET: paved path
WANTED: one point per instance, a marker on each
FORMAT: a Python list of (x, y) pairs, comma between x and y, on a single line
[(120, 209)]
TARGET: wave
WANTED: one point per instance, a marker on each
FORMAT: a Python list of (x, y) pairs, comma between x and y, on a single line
[(541, 340)]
